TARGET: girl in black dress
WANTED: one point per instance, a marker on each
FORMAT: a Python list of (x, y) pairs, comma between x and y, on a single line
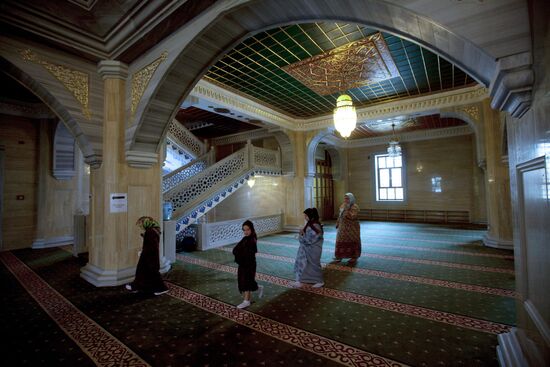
[(245, 257)]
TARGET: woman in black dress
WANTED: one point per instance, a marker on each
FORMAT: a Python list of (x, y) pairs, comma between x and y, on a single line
[(245, 257), (148, 278)]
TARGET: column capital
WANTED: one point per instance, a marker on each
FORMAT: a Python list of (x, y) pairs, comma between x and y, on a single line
[(512, 84), (112, 69), (139, 159)]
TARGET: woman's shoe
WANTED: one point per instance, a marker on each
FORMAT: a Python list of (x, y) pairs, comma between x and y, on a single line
[(295, 284), (352, 261), (244, 304), (129, 287), (318, 285), (260, 291), (161, 292)]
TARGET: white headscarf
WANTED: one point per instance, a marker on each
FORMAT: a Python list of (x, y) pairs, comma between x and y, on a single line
[(351, 202), (351, 199)]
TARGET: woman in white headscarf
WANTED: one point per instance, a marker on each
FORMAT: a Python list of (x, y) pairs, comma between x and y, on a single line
[(348, 237)]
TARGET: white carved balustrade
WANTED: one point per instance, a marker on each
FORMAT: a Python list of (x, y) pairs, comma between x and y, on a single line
[(176, 177), (217, 234), (196, 195), (265, 158), (199, 187), (185, 138)]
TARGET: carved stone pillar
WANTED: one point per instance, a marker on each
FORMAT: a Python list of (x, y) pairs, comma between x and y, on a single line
[(114, 239), (497, 184), (296, 184)]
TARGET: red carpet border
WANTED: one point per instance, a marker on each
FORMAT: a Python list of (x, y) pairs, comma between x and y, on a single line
[(415, 261), (410, 310), (429, 249), (103, 348), (405, 278), (327, 348)]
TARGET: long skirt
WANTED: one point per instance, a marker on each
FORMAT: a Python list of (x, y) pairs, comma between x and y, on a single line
[(348, 240), (246, 275), (307, 266), (148, 278)]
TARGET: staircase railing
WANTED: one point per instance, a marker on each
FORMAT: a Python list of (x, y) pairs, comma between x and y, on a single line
[(176, 177), (179, 134), (198, 194)]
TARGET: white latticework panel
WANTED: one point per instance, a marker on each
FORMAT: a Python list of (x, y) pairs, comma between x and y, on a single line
[(221, 233), (231, 232), (206, 180), (186, 138), (268, 225), (184, 173), (265, 157)]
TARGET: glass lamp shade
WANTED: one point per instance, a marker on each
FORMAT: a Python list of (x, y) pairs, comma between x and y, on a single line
[(394, 149), (345, 117)]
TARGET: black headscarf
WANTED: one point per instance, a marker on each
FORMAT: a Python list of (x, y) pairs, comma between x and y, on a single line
[(313, 218), (250, 225)]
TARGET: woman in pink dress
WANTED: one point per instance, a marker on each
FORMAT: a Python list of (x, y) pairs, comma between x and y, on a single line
[(348, 236)]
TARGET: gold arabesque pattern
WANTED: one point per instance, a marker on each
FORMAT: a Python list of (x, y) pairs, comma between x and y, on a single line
[(77, 82), (141, 79), (472, 111), (349, 66)]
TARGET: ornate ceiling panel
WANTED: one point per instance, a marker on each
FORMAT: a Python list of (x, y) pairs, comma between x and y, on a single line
[(256, 67), (352, 65)]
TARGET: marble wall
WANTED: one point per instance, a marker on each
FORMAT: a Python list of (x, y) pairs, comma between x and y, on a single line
[(266, 197), (452, 159), (37, 208), (20, 177), (529, 163)]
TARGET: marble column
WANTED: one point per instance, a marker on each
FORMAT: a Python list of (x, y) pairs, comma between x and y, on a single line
[(497, 183), (113, 238), (296, 184)]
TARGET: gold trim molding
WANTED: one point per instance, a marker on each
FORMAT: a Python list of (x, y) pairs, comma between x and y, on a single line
[(454, 98), (141, 79), (77, 82)]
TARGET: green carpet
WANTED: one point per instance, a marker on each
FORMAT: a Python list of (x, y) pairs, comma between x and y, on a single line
[(420, 295)]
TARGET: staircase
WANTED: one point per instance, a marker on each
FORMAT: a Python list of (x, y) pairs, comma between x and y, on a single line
[(198, 187)]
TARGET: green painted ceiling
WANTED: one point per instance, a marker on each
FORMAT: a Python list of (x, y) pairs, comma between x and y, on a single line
[(254, 68)]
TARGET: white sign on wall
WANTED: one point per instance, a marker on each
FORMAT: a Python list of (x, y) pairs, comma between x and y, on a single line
[(119, 202)]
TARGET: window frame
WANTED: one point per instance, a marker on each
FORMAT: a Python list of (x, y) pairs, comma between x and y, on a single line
[(377, 180)]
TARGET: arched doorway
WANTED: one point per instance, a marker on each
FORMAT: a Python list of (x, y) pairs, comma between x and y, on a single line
[(323, 188)]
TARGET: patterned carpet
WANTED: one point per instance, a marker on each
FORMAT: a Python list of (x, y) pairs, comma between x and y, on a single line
[(420, 295)]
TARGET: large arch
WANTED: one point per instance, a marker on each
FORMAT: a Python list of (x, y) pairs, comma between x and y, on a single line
[(72, 125), (312, 148), (237, 23)]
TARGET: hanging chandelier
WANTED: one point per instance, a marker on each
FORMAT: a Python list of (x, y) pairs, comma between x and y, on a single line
[(394, 149), (345, 117)]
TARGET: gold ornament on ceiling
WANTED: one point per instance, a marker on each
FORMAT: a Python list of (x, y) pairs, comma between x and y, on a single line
[(353, 65), (75, 81), (141, 79)]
